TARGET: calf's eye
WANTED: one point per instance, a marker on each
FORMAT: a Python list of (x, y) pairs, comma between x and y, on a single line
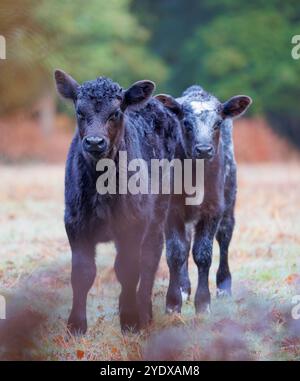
[(188, 127), (80, 114), (114, 116), (217, 126)]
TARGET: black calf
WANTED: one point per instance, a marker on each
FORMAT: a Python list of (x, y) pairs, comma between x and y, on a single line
[(111, 120), (207, 134)]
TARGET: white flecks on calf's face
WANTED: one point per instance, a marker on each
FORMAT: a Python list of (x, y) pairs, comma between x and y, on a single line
[(204, 123), (206, 116), (199, 107)]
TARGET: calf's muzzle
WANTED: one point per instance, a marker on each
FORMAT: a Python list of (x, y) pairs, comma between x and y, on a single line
[(94, 145), (203, 151)]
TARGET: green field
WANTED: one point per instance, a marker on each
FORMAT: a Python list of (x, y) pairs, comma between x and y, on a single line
[(255, 323)]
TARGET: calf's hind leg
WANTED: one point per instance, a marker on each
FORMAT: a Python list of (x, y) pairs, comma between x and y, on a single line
[(177, 246), (224, 236)]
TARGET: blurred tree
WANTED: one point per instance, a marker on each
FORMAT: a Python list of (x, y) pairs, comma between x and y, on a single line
[(230, 47), (172, 24), (22, 72), (87, 39), (98, 37)]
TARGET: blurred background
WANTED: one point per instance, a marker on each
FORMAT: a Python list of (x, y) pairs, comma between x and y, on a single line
[(227, 46)]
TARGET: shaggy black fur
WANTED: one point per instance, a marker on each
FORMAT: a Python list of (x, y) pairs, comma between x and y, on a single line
[(206, 123), (135, 223)]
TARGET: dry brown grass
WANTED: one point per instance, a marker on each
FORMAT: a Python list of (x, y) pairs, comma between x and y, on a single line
[(255, 324)]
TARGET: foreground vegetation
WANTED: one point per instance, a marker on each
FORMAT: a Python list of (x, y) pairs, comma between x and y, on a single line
[(255, 324)]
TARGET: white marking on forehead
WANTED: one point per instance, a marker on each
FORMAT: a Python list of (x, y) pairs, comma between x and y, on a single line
[(205, 125), (198, 107)]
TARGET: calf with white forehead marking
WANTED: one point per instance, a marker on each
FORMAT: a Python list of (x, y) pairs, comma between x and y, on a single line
[(109, 120), (207, 134)]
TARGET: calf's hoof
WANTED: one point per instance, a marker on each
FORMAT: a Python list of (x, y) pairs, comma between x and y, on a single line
[(202, 304), (77, 326), (173, 309), (223, 293), (203, 309), (129, 322), (174, 300), (146, 317)]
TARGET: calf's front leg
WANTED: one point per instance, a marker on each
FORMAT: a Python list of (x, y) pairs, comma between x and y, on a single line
[(150, 256), (128, 243), (82, 279), (202, 252), (127, 271)]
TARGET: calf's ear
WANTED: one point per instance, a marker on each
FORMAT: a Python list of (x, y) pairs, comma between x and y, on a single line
[(138, 94), (171, 103), (236, 106), (65, 84)]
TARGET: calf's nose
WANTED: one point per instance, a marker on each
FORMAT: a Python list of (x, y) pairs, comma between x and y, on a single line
[(204, 151), (94, 144)]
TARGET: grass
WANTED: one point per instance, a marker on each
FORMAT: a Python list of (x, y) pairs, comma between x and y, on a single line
[(255, 324)]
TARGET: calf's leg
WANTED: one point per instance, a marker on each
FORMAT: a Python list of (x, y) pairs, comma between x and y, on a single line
[(127, 271), (150, 255), (82, 279), (202, 253), (185, 283), (224, 236), (177, 246)]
